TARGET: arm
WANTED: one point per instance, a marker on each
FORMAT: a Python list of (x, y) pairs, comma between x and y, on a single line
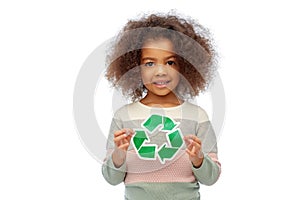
[(114, 167), (111, 173), (209, 171), (206, 168), (202, 150)]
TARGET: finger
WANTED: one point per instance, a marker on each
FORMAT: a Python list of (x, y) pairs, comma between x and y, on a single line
[(129, 135), (121, 142), (119, 133), (127, 140), (128, 132), (192, 143), (189, 148), (124, 146), (123, 136), (191, 153), (197, 140), (119, 138), (124, 133), (194, 148), (188, 152), (187, 140), (187, 137), (194, 138)]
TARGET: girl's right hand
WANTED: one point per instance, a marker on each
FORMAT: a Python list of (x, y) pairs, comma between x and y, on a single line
[(122, 140)]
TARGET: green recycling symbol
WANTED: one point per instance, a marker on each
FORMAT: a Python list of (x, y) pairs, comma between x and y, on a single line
[(166, 151)]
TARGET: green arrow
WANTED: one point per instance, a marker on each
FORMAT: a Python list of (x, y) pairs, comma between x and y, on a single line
[(166, 152), (139, 138), (168, 124), (153, 122), (175, 139), (147, 151)]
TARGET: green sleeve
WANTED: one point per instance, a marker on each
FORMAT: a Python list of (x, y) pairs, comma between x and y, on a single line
[(113, 175), (208, 173)]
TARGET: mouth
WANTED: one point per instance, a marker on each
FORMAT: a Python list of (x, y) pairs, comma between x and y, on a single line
[(161, 83)]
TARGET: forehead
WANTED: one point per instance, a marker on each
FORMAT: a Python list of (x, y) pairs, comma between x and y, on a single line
[(159, 44)]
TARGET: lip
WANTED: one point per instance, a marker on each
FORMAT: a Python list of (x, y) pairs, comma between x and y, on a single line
[(161, 83)]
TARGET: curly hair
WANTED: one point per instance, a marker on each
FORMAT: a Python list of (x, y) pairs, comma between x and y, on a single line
[(192, 45)]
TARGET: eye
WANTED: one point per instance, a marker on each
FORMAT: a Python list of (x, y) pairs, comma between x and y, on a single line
[(149, 64), (171, 62)]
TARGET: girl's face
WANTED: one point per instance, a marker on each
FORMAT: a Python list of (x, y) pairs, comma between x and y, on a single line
[(159, 69)]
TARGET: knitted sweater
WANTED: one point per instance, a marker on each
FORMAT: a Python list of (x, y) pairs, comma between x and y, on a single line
[(174, 178)]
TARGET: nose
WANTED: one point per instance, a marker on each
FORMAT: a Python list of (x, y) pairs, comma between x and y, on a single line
[(161, 70)]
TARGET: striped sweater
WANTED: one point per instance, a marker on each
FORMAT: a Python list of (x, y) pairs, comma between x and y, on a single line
[(175, 178)]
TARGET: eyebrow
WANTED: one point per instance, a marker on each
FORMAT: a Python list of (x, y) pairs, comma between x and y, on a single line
[(166, 58)]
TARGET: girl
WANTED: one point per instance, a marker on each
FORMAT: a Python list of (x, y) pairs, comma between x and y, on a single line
[(160, 145)]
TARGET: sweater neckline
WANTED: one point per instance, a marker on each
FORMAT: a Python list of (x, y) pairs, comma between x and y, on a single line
[(163, 108)]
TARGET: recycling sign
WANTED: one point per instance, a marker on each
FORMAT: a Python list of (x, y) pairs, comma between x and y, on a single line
[(167, 151)]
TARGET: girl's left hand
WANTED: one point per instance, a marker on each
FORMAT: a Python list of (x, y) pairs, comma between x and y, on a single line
[(194, 150)]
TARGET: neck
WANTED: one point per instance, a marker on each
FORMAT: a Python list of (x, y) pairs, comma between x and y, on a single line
[(169, 100)]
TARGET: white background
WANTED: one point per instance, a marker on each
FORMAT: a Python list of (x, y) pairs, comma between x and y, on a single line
[(43, 45)]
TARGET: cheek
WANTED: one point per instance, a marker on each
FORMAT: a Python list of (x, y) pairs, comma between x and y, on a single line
[(177, 82), (145, 77), (176, 76)]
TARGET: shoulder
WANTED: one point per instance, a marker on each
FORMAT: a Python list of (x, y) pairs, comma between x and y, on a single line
[(195, 112), (126, 110)]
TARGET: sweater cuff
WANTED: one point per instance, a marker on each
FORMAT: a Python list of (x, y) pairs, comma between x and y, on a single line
[(111, 165), (202, 166), (208, 173)]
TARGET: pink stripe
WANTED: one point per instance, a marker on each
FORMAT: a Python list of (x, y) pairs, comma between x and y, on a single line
[(177, 170)]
